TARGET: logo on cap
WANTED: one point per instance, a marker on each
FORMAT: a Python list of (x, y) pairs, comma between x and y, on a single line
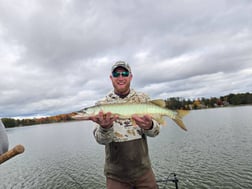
[(121, 64)]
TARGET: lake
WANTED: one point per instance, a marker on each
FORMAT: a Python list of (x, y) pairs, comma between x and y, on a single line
[(215, 152)]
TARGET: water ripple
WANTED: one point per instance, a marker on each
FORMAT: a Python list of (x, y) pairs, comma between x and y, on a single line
[(215, 153)]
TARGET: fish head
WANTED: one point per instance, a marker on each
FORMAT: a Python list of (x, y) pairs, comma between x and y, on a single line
[(84, 114), (90, 111)]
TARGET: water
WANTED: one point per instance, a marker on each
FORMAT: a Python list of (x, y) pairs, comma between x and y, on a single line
[(216, 152)]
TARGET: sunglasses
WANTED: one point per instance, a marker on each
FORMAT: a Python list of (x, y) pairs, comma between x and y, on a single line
[(117, 74)]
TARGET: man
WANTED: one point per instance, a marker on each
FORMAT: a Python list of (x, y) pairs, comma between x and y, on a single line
[(127, 162), (4, 144)]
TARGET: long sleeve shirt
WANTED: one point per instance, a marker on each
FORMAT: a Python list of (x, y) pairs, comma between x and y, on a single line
[(126, 147)]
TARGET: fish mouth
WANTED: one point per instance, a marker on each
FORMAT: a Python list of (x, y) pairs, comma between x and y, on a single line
[(80, 116)]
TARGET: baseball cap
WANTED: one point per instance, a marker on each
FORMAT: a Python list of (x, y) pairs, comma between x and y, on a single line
[(121, 64)]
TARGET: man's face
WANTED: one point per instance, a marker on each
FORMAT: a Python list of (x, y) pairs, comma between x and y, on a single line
[(121, 82)]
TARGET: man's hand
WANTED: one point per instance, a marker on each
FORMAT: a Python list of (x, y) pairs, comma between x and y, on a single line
[(144, 122), (104, 120)]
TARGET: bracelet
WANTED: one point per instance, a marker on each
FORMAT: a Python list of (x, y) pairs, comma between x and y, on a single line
[(151, 126)]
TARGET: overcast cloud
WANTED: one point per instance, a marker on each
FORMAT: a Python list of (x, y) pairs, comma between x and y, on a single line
[(56, 55)]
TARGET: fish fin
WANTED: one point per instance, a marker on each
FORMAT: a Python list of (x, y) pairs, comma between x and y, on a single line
[(178, 118), (159, 102), (159, 119), (133, 122), (182, 113)]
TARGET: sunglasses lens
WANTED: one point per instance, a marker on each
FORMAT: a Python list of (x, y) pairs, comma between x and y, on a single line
[(117, 74), (125, 74)]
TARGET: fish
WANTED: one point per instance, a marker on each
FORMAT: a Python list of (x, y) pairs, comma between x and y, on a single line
[(155, 108)]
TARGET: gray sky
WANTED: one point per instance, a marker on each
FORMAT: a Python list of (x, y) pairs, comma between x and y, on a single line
[(56, 55)]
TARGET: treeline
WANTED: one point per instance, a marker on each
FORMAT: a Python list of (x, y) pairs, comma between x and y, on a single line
[(200, 103), (171, 103), (10, 122)]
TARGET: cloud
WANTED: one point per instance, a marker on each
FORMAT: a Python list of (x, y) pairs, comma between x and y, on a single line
[(56, 56)]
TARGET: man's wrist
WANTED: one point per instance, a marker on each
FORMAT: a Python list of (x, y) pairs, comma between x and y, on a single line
[(106, 127)]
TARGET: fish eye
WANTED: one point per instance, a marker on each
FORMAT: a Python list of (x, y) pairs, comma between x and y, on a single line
[(84, 110), (88, 110)]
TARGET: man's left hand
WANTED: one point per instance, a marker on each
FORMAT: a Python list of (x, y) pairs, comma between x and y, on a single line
[(144, 122)]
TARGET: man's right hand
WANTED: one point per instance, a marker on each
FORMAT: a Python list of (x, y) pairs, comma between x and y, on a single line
[(104, 120)]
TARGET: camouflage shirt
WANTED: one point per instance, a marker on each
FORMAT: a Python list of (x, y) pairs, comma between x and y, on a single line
[(126, 146)]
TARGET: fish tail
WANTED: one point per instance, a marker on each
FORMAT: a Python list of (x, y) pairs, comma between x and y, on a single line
[(180, 123), (178, 118)]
